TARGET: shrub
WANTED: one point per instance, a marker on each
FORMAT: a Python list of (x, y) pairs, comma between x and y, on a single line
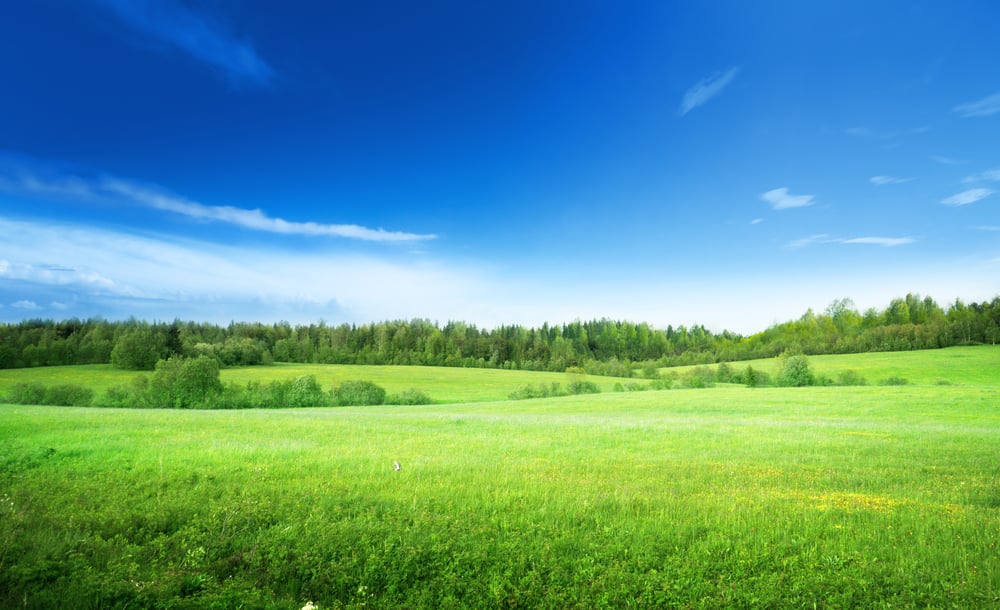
[(62, 395), (134, 395), (540, 391), (305, 391), (753, 378), (358, 393), (651, 370), (409, 397), (69, 395), (894, 380), (663, 383), (724, 373), (850, 377), (582, 386), (185, 383), (26, 394), (699, 377), (796, 372)]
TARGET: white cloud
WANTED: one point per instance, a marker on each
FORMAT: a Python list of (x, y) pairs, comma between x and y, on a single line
[(946, 160), (706, 89), (32, 179), (808, 241), (967, 197), (884, 180), (985, 107), (251, 219), (199, 35), (780, 199), (25, 305), (756, 221), (177, 275), (992, 175), (988, 228), (888, 242)]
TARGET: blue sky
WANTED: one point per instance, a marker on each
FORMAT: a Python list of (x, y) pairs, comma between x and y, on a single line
[(721, 163)]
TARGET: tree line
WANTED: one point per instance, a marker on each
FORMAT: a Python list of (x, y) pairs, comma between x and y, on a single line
[(603, 346)]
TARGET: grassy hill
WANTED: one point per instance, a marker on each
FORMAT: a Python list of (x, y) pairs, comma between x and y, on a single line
[(725, 497), (443, 384), (966, 365)]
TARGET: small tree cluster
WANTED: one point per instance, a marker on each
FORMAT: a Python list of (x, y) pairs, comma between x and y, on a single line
[(796, 372), (62, 395), (358, 393)]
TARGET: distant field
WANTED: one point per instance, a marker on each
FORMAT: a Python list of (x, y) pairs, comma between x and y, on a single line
[(442, 384), (974, 365), (978, 365), (854, 497)]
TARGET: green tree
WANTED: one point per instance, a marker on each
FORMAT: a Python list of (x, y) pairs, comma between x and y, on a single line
[(796, 372), (138, 349), (185, 383)]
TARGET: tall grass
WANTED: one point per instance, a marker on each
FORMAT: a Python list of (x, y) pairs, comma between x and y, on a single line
[(728, 497)]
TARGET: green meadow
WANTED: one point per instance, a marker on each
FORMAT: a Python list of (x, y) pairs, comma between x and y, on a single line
[(834, 497)]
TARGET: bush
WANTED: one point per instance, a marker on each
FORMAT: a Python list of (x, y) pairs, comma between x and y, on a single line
[(69, 395), (699, 377), (724, 373), (753, 378), (62, 395), (665, 382), (894, 380), (134, 395), (796, 372), (305, 391), (409, 397), (850, 377), (185, 383), (26, 394), (582, 386), (651, 370), (540, 391), (358, 393)]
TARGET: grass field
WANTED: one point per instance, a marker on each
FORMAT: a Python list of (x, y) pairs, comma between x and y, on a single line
[(973, 365), (442, 384), (831, 497)]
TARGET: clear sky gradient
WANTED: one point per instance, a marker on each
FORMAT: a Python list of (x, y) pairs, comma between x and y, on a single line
[(721, 163)]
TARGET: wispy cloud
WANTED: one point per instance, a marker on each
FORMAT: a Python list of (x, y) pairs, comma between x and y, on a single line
[(781, 199), (967, 197), (984, 107), (197, 34), (886, 242), (867, 132), (125, 274), (885, 180), (809, 241), (254, 219), (32, 180), (992, 175), (946, 160), (706, 89), (988, 228), (756, 221)]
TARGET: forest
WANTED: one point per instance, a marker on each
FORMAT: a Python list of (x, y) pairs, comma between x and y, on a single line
[(603, 346)]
